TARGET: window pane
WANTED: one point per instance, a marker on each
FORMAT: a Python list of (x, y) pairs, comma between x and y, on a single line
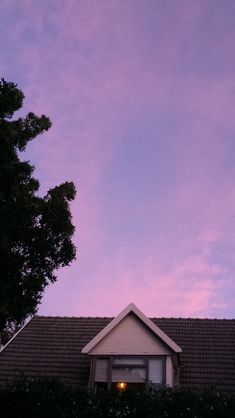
[(156, 370), (129, 360), (128, 374), (101, 371)]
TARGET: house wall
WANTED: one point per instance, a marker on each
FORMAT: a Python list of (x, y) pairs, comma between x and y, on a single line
[(131, 337)]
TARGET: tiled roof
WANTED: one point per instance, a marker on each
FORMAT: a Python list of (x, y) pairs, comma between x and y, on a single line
[(208, 351), (51, 347)]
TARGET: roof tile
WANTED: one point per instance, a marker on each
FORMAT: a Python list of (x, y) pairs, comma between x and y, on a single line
[(51, 347)]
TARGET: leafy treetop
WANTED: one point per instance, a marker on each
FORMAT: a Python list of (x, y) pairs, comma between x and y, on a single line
[(35, 232)]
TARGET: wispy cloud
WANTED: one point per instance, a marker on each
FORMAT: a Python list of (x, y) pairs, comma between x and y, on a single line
[(141, 99)]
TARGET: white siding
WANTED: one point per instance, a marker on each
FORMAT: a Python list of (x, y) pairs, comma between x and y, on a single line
[(131, 337)]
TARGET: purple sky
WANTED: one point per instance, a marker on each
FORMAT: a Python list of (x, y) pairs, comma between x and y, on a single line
[(141, 96)]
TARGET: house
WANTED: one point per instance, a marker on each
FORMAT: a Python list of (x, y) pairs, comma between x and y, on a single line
[(130, 350)]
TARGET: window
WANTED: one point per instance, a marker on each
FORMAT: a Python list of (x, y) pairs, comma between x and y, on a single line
[(156, 372), (101, 372), (129, 370), (133, 371)]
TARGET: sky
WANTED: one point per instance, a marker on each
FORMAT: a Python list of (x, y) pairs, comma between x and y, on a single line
[(141, 96)]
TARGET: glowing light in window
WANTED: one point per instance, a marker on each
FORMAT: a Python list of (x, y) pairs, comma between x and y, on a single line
[(121, 386)]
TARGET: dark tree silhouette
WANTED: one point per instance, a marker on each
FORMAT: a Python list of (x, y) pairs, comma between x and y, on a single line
[(35, 232)]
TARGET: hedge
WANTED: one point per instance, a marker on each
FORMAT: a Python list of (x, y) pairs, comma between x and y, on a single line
[(50, 398)]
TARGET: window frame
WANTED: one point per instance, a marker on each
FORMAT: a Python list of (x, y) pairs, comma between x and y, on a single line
[(111, 365)]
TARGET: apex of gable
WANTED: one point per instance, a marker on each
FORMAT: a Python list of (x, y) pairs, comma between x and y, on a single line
[(131, 308)]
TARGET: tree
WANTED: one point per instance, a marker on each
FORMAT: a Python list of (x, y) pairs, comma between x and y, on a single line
[(35, 232)]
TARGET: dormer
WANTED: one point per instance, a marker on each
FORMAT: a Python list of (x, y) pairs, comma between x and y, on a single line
[(131, 351)]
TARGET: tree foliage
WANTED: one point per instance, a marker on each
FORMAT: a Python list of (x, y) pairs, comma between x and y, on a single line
[(35, 232)]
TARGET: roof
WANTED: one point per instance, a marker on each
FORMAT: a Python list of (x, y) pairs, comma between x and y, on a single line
[(132, 308), (51, 347)]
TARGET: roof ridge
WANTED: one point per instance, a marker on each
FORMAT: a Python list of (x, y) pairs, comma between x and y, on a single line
[(193, 319), (73, 317), (152, 318)]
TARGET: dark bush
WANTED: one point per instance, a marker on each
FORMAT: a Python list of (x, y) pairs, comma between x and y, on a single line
[(50, 398)]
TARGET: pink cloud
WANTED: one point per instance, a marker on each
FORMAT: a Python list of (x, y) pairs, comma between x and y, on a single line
[(187, 289)]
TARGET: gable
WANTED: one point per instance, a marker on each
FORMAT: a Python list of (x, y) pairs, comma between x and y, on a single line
[(132, 309), (131, 337)]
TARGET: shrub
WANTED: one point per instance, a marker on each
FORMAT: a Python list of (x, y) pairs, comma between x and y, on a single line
[(51, 398)]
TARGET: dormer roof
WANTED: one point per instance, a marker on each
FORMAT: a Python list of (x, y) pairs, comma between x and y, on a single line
[(132, 308)]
